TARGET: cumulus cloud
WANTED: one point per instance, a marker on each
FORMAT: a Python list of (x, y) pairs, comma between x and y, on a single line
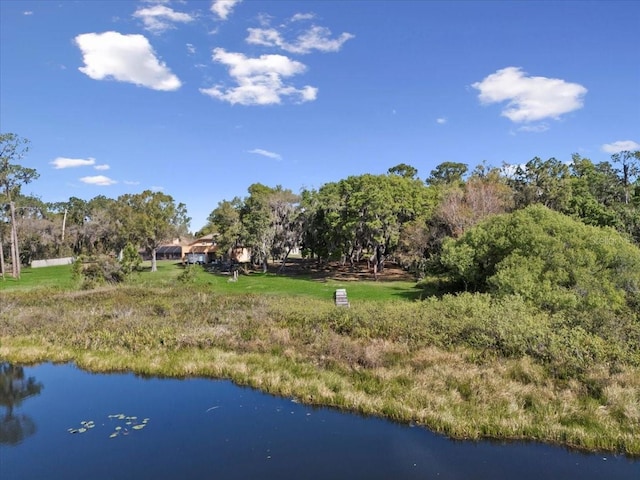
[(315, 38), (104, 166), (266, 153), (223, 8), (159, 18), (528, 98), (125, 58), (63, 162), (259, 80), (621, 146), (100, 180)]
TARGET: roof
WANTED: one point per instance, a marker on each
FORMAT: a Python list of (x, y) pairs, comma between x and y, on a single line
[(206, 240)]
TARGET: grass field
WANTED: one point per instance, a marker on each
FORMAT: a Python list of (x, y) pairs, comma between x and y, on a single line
[(47, 277), (60, 277)]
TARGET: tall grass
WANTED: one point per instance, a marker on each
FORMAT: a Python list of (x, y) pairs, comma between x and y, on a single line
[(468, 365)]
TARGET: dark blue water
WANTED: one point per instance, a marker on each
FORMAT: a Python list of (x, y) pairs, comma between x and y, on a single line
[(208, 429)]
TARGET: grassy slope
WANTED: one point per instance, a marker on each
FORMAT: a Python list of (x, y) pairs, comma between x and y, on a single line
[(383, 356)]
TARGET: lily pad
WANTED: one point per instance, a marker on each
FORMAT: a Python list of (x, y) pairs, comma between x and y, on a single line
[(125, 424)]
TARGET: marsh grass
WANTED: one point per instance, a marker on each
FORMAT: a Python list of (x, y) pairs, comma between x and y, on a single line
[(467, 366)]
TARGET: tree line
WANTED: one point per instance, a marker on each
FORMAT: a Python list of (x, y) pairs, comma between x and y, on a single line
[(375, 218), (31, 228), (398, 216)]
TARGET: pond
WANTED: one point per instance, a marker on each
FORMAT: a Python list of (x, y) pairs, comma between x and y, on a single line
[(59, 422)]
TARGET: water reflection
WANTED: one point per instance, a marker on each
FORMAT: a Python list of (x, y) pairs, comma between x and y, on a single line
[(203, 429), (15, 388)]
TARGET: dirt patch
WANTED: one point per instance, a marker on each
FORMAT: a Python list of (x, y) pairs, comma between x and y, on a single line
[(338, 271)]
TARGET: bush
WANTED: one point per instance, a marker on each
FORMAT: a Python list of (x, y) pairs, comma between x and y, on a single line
[(130, 261), (551, 260), (97, 270), (189, 274)]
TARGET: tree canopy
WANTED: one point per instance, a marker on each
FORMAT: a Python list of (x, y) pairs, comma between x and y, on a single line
[(371, 217), (12, 177), (150, 219)]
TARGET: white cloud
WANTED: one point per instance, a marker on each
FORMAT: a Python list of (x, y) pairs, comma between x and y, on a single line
[(264, 19), (223, 8), (620, 146), (100, 180), (159, 18), (27, 13), (315, 38), (441, 121), (130, 182), (104, 166), (156, 188), (259, 80), (191, 49), (125, 58), (302, 16), (63, 162), (266, 153), (537, 128), (530, 98)]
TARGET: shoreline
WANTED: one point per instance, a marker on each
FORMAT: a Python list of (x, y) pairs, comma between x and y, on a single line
[(204, 372), (368, 359)]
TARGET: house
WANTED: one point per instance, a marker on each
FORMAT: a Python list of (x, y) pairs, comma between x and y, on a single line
[(202, 250), (168, 251)]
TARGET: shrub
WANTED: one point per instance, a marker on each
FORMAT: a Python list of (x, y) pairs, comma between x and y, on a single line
[(189, 274), (96, 270), (551, 260), (130, 261)]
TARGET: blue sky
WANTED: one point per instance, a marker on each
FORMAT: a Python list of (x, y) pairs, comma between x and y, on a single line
[(200, 99)]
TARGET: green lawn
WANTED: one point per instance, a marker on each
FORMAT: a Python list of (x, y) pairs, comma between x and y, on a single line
[(257, 283), (305, 286), (46, 277)]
